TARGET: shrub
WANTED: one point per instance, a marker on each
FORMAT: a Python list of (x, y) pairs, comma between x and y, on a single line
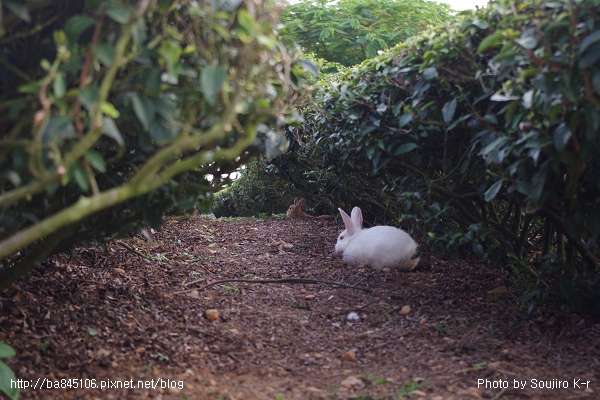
[(485, 132), (120, 109)]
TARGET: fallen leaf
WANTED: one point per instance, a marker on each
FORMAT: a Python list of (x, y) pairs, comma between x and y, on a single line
[(351, 381), (404, 311), (349, 356)]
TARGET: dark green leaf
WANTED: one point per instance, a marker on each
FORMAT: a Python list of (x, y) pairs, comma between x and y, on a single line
[(448, 110), (590, 57), (528, 42), (109, 128), (494, 145), (480, 23), (6, 351), (246, 21), (429, 73), (370, 51), (211, 80), (144, 109), (537, 187), (310, 67), (478, 250), (492, 191), (562, 134), (405, 119), (19, 10), (59, 86), (88, 97), (76, 25), (588, 41), (7, 379), (120, 13), (405, 148), (596, 82), (160, 135), (138, 31), (105, 53), (492, 40), (96, 160), (80, 177)]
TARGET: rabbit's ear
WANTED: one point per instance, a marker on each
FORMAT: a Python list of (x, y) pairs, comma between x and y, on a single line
[(296, 201), (347, 221), (301, 202), (357, 218)]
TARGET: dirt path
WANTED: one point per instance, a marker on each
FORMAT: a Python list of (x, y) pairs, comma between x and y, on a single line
[(116, 319)]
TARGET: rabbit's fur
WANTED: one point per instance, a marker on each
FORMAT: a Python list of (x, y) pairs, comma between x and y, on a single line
[(379, 246), (295, 210)]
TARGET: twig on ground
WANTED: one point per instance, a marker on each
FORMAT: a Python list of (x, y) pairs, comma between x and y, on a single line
[(288, 280), (131, 249), (193, 329)]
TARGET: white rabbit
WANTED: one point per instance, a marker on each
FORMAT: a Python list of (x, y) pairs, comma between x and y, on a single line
[(380, 246)]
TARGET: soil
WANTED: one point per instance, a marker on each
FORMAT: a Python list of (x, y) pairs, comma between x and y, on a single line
[(110, 317)]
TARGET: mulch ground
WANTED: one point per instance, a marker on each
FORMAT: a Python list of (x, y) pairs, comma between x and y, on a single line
[(110, 317)]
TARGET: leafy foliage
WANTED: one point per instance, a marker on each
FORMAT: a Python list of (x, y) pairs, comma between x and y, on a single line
[(120, 109), (484, 131), (350, 31), (7, 376), (258, 190)]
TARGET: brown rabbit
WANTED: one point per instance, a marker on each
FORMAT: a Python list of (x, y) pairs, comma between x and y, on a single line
[(295, 210)]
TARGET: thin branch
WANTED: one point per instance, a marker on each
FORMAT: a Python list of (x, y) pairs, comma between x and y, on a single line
[(288, 280), (131, 249)]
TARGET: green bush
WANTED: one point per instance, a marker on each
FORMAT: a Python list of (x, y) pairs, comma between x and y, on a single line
[(485, 132), (260, 190), (115, 111)]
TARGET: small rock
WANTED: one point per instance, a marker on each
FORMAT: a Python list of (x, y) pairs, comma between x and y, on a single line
[(349, 356), (352, 316), (303, 322), (302, 291), (213, 315), (404, 311), (319, 356), (193, 293), (212, 382), (386, 270), (102, 353), (499, 290), (140, 350), (588, 390), (351, 381), (423, 321), (119, 271), (234, 331), (310, 297)]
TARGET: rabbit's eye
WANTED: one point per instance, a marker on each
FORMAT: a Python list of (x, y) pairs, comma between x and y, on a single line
[(341, 238)]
